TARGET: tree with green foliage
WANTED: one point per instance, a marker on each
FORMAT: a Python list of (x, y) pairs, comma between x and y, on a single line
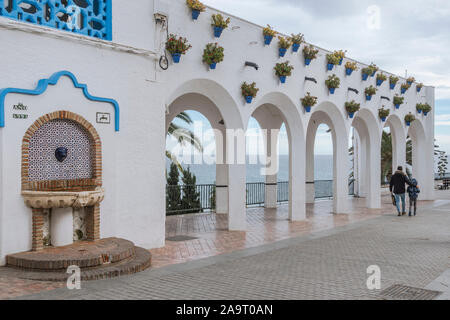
[(190, 201), (173, 190), (386, 157), (442, 164)]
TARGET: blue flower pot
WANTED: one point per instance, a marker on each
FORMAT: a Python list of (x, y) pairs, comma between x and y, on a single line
[(330, 66), (295, 47), (392, 86), (409, 82), (408, 123), (397, 106), (218, 32), (340, 61), (351, 115), (282, 51), (383, 119), (248, 99), (307, 62), (418, 89), (195, 14), (267, 40), (213, 65), (425, 114), (403, 90), (379, 82), (365, 76), (176, 57), (332, 90), (373, 74), (283, 79), (308, 108), (419, 111), (348, 71), (368, 98)]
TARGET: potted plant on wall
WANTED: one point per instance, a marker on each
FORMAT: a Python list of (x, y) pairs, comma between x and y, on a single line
[(308, 102), (249, 91), (383, 114), (332, 83), (196, 7), (283, 45), (341, 55), (177, 46), (213, 54), (332, 60), (310, 53), (352, 107), (366, 72), (404, 87), (219, 24), (419, 87), (393, 81), (426, 108), (374, 69), (268, 33), (296, 40), (381, 77), (370, 91), (419, 108), (398, 101), (410, 80), (283, 70), (350, 67), (409, 118)]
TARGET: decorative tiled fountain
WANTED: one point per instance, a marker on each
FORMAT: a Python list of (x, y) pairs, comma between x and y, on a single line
[(62, 184)]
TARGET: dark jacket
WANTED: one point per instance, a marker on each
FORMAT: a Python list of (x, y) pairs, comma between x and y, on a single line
[(413, 190), (398, 181)]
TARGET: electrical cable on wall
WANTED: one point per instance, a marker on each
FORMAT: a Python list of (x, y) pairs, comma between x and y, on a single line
[(163, 60)]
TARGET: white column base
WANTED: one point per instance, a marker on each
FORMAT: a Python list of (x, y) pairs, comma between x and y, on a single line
[(271, 196)]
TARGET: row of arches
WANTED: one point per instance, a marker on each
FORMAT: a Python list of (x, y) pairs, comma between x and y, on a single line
[(272, 112)]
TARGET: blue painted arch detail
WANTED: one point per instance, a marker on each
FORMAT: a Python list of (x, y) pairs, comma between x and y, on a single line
[(53, 80)]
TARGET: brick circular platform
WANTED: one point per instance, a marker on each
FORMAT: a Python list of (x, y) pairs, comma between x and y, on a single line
[(101, 259)]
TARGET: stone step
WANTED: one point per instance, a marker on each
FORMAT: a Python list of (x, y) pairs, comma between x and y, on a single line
[(83, 254), (139, 261)]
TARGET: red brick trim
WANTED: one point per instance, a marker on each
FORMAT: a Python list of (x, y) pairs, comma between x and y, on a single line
[(78, 184)]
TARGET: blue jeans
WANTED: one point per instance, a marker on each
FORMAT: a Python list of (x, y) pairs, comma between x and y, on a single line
[(399, 197)]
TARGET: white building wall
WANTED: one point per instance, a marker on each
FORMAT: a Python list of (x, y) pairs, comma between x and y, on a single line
[(126, 70)]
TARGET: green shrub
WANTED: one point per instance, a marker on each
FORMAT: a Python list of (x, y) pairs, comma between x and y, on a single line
[(398, 100), (333, 59), (410, 117), (177, 44), (384, 113), (213, 53)]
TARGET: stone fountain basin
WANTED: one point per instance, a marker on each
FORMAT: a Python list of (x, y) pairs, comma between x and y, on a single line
[(63, 199)]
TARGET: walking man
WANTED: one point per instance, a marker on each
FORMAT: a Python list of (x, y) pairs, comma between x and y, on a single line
[(397, 187)]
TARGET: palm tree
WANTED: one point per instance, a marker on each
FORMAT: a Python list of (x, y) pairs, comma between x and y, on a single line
[(183, 136)]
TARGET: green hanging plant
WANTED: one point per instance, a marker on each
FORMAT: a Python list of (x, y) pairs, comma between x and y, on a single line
[(309, 100), (351, 65), (370, 91), (177, 44), (309, 52), (398, 100), (297, 38), (383, 113), (268, 31), (283, 69), (333, 82), (196, 5), (249, 90), (333, 59), (352, 106), (393, 79), (284, 43), (410, 118), (219, 21), (381, 77)]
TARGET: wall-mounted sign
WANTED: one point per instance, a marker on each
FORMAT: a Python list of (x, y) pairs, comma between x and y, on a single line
[(20, 107), (104, 118)]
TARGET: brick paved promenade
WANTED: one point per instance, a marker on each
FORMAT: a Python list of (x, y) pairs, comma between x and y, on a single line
[(308, 264)]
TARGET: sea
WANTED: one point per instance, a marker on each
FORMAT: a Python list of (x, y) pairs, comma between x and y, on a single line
[(206, 173)]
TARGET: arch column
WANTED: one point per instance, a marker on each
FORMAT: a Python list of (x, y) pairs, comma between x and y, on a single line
[(341, 170), (310, 194), (271, 146)]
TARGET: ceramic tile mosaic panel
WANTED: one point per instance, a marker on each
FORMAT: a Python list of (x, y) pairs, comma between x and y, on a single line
[(43, 164)]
